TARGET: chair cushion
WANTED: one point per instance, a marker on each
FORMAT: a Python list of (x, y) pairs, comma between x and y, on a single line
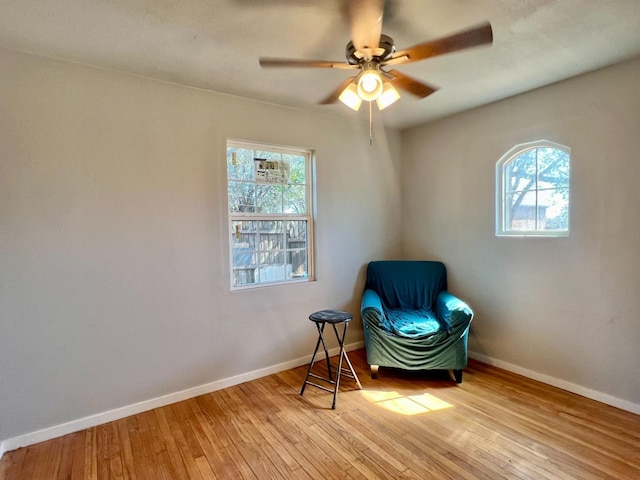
[(412, 323)]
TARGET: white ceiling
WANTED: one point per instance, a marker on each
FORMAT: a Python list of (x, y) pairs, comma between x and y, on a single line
[(215, 44)]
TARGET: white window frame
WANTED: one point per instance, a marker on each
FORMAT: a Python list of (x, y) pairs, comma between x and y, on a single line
[(502, 190), (308, 217)]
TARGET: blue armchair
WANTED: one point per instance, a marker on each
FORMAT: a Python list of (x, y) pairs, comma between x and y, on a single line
[(410, 320)]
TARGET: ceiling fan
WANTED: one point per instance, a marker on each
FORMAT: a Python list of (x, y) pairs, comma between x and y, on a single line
[(372, 52)]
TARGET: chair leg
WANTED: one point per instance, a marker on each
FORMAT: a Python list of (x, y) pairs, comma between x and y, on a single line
[(374, 371), (458, 375)]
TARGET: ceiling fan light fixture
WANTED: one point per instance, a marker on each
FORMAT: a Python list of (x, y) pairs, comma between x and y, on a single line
[(388, 96), (369, 82), (350, 97)]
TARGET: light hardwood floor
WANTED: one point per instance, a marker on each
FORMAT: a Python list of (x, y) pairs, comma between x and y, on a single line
[(402, 425)]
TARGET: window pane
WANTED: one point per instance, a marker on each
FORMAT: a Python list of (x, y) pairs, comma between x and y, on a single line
[(271, 241), (296, 232), (243, 252), (242, 197), (271, 235), (244, 276), (521, 210), (297, 248), (297, 165), (520, 173), (271, 172), (243, 240), (271, 226), (269, 198), (271, 258), (272, 267), (243, 234), (297, 263), (240, 164), (295, 200), (553, 213), (553, 168), (244, 257)]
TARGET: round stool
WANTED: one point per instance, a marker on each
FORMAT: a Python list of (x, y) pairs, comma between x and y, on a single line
[(334, 318)]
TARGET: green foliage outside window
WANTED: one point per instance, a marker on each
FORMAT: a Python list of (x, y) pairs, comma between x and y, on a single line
[(533, 190), (270, 218)]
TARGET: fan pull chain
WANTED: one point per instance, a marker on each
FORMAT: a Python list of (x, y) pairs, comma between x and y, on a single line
[(370, 124)]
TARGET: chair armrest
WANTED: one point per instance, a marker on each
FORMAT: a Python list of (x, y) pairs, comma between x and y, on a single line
[(371, 299), (452, 311), (371, 309)]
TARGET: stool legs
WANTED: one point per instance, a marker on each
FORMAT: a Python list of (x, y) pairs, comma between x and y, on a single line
[(352, 371), (324, 345), (313, 358), (342, 356)]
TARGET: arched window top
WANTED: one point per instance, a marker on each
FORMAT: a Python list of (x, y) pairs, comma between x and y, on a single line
[(517, 150), (532, 190)]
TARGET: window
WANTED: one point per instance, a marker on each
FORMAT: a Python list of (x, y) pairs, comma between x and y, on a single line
[(270, 223), (532, 190)]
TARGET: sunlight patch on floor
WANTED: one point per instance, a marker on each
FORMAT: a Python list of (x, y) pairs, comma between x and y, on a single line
[(405, 404)]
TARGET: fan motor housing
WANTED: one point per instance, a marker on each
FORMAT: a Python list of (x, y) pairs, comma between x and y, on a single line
[(384, 51)]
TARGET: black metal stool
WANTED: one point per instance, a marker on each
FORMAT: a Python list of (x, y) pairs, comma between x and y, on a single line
[(333, 317)]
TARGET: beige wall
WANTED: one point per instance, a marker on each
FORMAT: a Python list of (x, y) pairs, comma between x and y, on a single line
[(114, 270), (564, 309)]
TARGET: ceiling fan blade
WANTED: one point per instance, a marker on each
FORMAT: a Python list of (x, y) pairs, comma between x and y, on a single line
[(395, 61), (480, 35), (400, 80), (333, 96), (269, 62), (365, 19)]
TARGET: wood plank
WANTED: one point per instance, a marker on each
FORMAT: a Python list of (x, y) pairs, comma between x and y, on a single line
[(12, 462), (91, 455), (65, 458), (217, 457), (174, 444), (102, 452), (246, 439), (139, 458), (36, 468), (156, 446), (124, 441), (494, 425), (217, 420)]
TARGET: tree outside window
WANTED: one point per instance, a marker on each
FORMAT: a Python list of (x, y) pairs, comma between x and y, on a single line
[(532, 195)]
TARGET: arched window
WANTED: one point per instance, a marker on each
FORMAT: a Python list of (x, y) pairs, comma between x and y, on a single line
[(532, 190)]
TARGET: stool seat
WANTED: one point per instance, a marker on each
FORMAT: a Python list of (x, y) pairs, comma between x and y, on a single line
[(330, 316), (333, 318)]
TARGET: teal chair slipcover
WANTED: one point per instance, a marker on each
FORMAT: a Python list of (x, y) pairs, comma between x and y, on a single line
[(410, 320)]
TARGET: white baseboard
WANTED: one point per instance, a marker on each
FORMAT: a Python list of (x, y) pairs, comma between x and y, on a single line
[(563, 384), (122, 412)]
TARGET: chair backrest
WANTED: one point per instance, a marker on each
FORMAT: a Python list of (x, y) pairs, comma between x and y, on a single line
[(407, 284)]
